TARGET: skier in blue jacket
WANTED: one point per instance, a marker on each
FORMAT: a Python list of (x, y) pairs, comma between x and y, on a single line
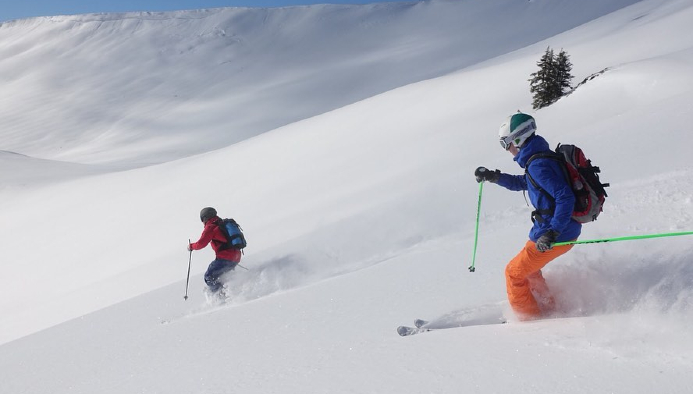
[(552, 216)]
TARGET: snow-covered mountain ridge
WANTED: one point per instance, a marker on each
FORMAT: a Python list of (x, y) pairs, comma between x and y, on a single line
[(133, 89)]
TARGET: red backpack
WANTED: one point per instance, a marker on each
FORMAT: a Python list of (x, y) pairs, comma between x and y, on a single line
[(582, 177)]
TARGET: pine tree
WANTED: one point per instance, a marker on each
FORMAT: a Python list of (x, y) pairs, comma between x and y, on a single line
[(540, 85), (552, 80), (564, 67)]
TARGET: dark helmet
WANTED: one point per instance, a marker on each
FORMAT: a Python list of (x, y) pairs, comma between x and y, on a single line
[(207, 213)]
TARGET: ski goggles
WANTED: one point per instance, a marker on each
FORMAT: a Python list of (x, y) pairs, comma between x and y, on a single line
[(505, 144)]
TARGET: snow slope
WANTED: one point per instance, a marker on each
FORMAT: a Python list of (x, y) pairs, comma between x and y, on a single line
[(138, 87), (362, 219)]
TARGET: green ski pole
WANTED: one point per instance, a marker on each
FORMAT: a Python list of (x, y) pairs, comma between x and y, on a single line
[(476, 232), (630, 238)]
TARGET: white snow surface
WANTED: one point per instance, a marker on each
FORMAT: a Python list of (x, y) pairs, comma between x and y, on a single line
[(344, 140)]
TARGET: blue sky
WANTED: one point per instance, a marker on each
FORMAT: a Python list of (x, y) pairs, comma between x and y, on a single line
[(19, 9)]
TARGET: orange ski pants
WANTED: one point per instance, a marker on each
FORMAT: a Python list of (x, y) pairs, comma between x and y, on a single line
[(523, 277)]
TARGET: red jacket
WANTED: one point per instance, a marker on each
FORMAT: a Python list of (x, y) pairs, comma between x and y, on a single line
[(213, 234)]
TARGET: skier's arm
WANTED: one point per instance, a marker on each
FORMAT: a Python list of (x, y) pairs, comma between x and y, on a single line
[(204, 240), (512, 182)]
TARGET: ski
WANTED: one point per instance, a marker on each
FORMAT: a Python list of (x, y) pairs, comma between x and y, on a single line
[(418, 323), (419, 327), (480, 315), (407, 330), (404, 331)]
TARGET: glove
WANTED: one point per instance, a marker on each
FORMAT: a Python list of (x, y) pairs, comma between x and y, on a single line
[(190, 248), (546, 241), (484, 174)]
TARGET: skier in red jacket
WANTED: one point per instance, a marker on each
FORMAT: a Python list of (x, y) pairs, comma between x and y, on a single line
[(226, 258)]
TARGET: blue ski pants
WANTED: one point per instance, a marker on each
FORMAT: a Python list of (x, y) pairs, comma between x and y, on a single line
[(216, 269)]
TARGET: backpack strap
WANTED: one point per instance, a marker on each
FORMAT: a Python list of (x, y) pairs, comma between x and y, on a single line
[(222, 227), (536, 214), (220, 224)]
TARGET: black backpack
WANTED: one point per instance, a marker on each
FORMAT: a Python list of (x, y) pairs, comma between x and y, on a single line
[(582, 177), (233, 233)]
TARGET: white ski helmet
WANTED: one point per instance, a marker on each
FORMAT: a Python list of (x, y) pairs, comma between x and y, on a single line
[(516, 129)]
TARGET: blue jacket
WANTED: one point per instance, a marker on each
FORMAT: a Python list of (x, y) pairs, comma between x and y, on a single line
[(548, 174)]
